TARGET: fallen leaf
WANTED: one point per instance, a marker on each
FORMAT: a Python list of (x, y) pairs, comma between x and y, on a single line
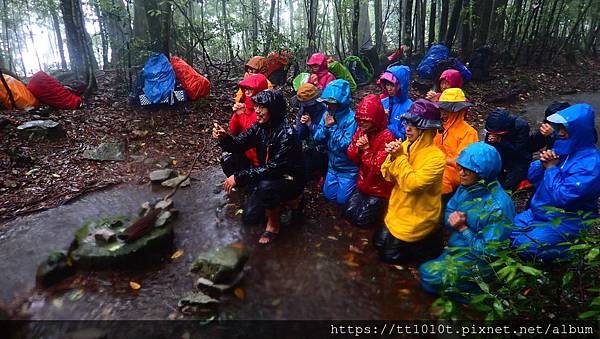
[(134, 285), (355, 249), (239, 211), (55, 175), (398, 267), (76, 295), (177, 254), (57, 302), (174, 162), (239, 293), (276, 302), (332, 237), (404, 292), (351, 263), (160, 133), (317, 245)]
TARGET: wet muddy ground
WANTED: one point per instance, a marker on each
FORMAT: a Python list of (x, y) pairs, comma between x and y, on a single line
[(309, 272)]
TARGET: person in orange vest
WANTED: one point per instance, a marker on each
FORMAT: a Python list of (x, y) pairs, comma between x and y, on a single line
[(457, 135)]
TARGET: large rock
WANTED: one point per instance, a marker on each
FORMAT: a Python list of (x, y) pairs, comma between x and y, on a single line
[(175, 181), (95, 254), (106, 152), (54, 269), (221, 265), (208, 286), (198, 304), (43, 129), (161, 175)]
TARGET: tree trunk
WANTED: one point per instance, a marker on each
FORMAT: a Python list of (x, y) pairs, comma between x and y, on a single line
[(269, 31), (408, 25), (59, 40), (225, 22), (355, 18), (165, 27), (378, 26), (422, 22), (291, 10), (514, 23), (79, 43), (340, 47), (311, 10), (364, 27), (432, 18), (118, 28), (103, 35), (454, 21), (255, 17), (466, 40), (444, 21), (140, 21)]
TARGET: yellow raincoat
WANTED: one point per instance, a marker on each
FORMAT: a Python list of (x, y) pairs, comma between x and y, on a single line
[(415, 203), (457, 135)]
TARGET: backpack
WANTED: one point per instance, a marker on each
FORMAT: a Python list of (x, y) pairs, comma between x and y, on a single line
[(341, 72), (426, 67), (361, 74), (451, 63)]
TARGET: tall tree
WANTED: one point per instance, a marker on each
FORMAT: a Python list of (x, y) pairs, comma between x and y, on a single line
[(79, 42), (432, 15), (140, 20), (311, 9), (57, 32), (454, 21), (355, 18), (443, 20), (378, 26), (407, 24)]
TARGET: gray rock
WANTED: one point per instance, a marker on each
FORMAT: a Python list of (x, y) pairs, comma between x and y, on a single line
[(198, 304), (10, 183), (173, 182), (89, 253), (221, 265), (162, 219), (164, 204), (138, 158), (161, 175), (106, 151), (44, 129), (104, 236), (206, 285)]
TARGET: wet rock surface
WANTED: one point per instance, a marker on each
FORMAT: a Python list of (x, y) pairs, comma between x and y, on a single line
[(221, 265), (107, 151), (46, 129), (304, 274), (161, 175)]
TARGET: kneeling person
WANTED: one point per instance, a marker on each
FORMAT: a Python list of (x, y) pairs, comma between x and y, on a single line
[(367, 204), (480, 213), (279, 176), (415, 167)]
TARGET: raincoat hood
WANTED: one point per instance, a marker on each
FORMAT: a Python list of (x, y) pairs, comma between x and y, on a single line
[(371, 109), (424, 115), (275, 102), (453, 77), (555, 107), (319, 59), (256, 82), (579, 122), (500, 120), (401, 75), (338, 90), (482, 159), (259, 63)]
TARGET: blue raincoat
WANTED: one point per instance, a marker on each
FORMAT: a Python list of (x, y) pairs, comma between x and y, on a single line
[(489, 212), (399, 103), (566, 195), (341, 173)]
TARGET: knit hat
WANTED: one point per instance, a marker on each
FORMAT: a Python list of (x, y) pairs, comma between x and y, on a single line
[(307, 94), (423, 114), (453, 100)]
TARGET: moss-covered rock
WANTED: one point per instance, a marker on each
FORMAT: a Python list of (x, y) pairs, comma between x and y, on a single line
[(221, 265), (91, 253)]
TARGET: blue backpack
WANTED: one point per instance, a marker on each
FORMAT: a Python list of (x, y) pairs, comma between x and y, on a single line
[(426, 68), (159, 78)]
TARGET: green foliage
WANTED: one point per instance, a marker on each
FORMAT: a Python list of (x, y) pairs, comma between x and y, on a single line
[(518, 289)]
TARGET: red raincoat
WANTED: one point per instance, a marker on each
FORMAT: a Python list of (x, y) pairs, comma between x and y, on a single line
[(324, 77), (370, 181), (241, 122)]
